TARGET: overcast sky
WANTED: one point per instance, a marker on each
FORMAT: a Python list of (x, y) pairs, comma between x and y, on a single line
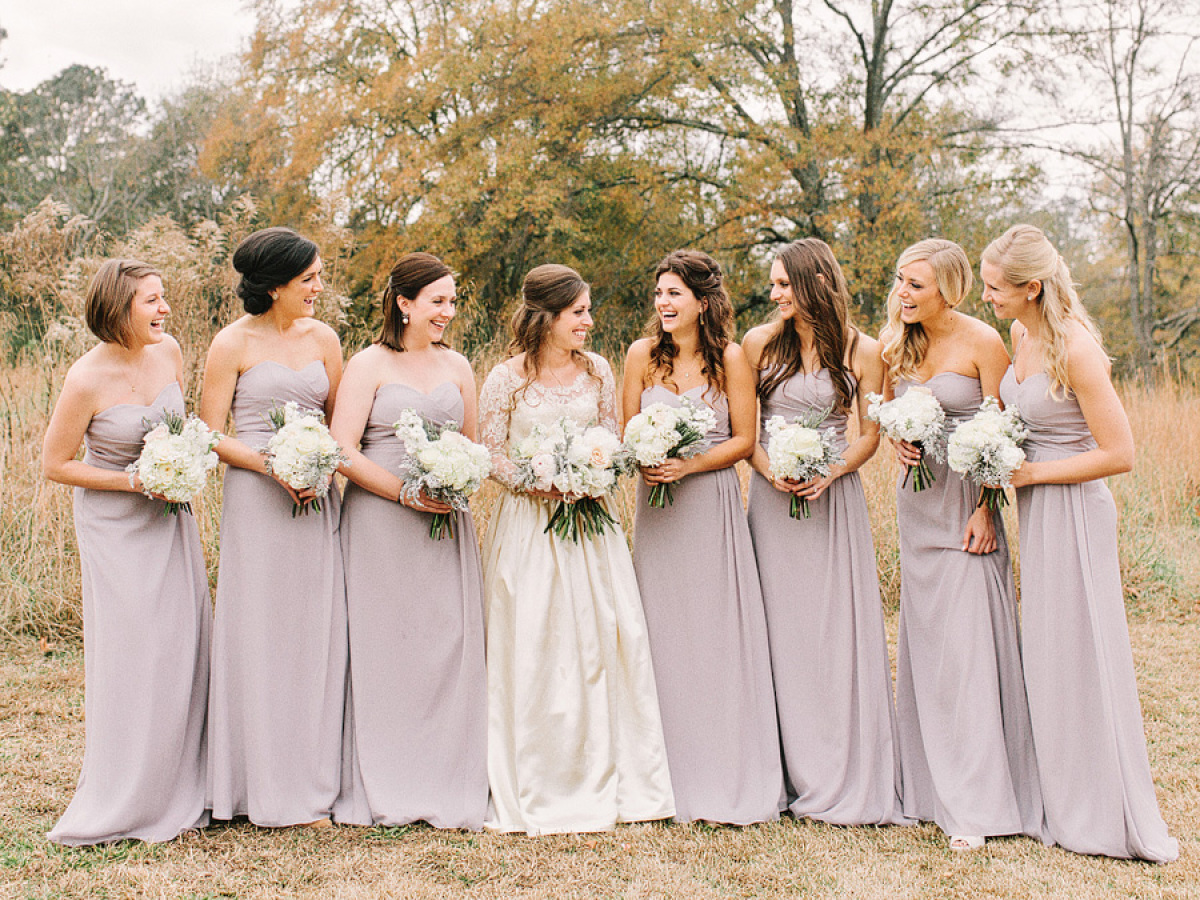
[(152, 43)]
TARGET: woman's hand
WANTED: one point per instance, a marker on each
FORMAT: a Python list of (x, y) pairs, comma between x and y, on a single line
[(667, 472), (136, 486), (1023, 474), (908, 454), (424, 503), (811, 489), (980, 536), (552, 494)]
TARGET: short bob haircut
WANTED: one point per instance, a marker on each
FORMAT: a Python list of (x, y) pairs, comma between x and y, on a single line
[(266, 260), (412, 274), (110, 299)]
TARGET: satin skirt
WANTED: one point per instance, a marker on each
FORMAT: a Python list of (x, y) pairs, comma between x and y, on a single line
[(575, 739)]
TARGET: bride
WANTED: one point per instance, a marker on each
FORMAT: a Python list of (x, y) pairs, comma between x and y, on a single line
[(574, 736)]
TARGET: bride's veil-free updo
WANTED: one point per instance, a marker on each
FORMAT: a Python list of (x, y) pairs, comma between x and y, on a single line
[(267, 260)]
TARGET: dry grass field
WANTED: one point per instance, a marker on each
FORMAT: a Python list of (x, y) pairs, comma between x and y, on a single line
[(42, 735), (42, 729)]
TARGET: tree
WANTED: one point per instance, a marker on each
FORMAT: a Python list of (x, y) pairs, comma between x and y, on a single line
[(71, 138), (1142, 57)]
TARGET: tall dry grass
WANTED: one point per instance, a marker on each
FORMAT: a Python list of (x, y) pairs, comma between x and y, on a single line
[(47, 261)]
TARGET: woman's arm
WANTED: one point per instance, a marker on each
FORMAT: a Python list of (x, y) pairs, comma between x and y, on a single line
[(991, 362), (356, 396), (466, 387), (331, 357), (69, 422), (867, 366), (1088, 369), (743, 415), (637, 360)]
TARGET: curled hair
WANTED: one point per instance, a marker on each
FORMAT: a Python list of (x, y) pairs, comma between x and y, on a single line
[(412, 274), (821, 300), (109, 301), (546, 292), (266, 260), (907, 344), (1024, 254), (702, 276)]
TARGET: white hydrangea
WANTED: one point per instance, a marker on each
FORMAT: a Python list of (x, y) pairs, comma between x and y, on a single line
[(800, 451), (302, 453), (177, 455), (443, 463), (987, 449)]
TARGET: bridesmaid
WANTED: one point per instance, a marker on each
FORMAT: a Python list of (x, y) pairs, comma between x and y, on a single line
[(146, 607), (965, 747), (1087, 725), (695, 562), (279, 643), (416, 717), (833, 681)]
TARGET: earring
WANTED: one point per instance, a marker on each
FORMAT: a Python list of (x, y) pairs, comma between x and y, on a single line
[(403, 318)]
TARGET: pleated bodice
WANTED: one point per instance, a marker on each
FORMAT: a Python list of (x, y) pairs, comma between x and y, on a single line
[(799, 396), (268, 384), (114, 436)]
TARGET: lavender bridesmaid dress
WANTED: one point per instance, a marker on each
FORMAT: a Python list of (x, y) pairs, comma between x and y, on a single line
[(146, 620), (279, 644), (708, 639), (1087, 724), (966, 749), (833, 681), (416, 717)]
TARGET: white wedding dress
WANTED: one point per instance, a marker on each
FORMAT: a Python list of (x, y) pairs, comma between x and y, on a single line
[(575, 739)]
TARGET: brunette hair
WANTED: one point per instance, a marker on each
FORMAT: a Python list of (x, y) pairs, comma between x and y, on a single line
[(267, 259), (822, 301), (545, 293), (110, 299), (907, 344), (702, 276), (1024, 254), (412, 274)]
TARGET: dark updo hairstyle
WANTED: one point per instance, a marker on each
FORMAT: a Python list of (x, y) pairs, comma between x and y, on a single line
[(702, 275), (266, 260), (412, 274), (546, 292), (821, 300), (109, 299)]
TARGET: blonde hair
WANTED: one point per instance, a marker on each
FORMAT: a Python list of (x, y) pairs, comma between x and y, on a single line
[(1024, 254), (907, 344)]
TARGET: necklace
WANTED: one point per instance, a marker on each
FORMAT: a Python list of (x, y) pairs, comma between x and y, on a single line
[(132, 376)]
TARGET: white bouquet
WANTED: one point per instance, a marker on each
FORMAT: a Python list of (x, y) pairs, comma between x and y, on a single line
[(987, 449), (443, 463), (916, 417), (660, 432), (302, 453), (177, 455), (799, 451), (582, 463)]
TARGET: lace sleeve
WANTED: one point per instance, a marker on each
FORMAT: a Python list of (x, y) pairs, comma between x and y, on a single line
[(494, 415), (608, 395)]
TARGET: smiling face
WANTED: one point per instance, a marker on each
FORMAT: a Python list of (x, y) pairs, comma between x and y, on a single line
[(430, 312), (1010, 301), (298, 297), (917, 291), (781, 291), (570, 327), (677, 306), (148, 311)]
